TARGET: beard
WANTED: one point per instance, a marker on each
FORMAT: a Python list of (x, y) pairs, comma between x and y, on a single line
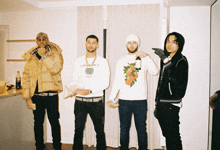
[(133, 50), (91, 51)]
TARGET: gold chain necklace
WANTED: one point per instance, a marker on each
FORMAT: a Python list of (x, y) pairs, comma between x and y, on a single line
[(92, 62), (89, 69)]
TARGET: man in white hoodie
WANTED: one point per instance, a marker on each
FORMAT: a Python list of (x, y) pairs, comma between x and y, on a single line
[(131, 83)]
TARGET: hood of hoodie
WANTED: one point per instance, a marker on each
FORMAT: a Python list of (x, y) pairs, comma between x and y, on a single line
[(180, 40)]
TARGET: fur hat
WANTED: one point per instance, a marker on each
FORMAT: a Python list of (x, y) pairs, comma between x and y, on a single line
[(133, 37)]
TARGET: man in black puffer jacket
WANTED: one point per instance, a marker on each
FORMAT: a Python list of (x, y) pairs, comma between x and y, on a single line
[(171, 88)]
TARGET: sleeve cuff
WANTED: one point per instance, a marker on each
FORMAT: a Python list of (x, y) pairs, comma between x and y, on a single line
[(111, 101)]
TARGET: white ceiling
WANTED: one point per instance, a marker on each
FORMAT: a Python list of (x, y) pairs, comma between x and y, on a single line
[(191, 2), (22, 5), (57, 0)]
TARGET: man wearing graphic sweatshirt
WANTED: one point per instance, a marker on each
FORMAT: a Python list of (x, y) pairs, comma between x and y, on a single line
[(131, 84)]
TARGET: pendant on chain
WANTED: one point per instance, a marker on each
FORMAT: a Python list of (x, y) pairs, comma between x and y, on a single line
[(89, 70)]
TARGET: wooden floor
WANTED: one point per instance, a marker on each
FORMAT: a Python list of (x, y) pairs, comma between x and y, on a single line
[(49, 146)]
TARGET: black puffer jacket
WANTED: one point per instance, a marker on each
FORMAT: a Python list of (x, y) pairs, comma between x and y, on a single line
[(173, 77)]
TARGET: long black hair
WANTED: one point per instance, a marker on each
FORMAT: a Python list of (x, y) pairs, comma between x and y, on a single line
[(180, 41)]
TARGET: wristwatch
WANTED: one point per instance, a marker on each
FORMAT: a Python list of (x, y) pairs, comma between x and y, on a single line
[(43, 57)]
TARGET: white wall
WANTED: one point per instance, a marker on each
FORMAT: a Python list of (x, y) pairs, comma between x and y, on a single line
[(215, 48), (61, 27), (214, 58), (194, 24), (2, 54)]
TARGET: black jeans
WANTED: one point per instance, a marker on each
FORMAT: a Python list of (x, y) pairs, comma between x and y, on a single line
[(216, 128), (96, 112), (168, 117), (50, 103)]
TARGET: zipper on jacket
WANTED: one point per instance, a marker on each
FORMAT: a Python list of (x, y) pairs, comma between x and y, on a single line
[(170, 89)]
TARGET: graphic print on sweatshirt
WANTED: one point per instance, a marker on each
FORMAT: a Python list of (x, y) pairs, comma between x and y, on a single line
[(131, 74)]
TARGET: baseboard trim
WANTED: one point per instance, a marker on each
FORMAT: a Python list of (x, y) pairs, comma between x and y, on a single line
[(49, 146)]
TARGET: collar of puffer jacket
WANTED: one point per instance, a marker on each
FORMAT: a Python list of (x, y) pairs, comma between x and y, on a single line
[(28, 54)]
